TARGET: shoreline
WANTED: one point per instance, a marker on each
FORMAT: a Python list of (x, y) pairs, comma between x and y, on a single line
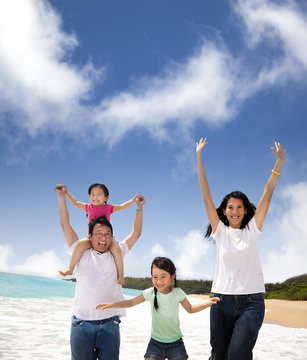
[(285, 313)]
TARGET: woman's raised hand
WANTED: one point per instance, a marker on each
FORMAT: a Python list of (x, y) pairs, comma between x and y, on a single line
[(201, 144), (279, 151)]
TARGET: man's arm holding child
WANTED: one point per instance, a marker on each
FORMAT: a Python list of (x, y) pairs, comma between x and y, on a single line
[(132, 238), (69, 233)]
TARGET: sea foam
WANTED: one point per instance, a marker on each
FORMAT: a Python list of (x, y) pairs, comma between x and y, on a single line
[(40, 329)]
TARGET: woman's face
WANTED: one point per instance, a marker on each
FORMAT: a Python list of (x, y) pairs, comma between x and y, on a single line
[(235, 212)]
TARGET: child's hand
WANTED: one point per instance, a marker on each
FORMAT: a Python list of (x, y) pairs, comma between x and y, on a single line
[(60, 188), (213, 301), (201, 144), (140, 200), (103, 306)]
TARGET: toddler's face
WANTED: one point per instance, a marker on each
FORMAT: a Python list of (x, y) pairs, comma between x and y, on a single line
[(97, 196)]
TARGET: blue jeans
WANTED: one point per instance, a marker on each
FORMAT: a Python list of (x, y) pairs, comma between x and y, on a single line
[(97, 339), (159, 351), (234, 325)]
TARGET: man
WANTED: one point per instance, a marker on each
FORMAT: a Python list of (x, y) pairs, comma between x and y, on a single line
[(95, 333)]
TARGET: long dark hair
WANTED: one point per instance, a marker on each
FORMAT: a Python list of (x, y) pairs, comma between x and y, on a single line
[(166, 264), (249, 207)]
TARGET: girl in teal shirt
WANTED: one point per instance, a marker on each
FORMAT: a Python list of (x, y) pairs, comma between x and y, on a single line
[(166, 337)]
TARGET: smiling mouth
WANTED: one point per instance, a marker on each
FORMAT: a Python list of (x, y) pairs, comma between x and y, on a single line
[(100, 243)]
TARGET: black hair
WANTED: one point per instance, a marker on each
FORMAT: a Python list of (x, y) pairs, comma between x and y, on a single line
[(102, 220), (248, 206), (166, 264)]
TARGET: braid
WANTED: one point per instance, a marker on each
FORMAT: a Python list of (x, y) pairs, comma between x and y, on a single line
[(156, 300)]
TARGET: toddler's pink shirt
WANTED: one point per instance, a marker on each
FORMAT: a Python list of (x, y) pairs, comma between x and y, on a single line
[(94, 212)]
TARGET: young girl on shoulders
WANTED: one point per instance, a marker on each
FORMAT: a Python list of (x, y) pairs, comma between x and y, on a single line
[(166, 337), (99, 195)]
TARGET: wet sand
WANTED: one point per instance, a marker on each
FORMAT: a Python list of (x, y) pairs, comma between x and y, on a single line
[(282, 312)]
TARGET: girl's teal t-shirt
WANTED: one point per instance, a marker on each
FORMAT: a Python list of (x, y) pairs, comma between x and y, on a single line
[(165, 326)]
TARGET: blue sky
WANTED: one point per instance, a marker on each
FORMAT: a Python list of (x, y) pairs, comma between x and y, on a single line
[(119, 92)]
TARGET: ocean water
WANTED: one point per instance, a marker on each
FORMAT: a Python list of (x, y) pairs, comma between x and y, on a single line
[(24, 286), (35, 316)]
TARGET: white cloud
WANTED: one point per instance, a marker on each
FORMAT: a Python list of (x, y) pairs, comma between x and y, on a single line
[(45, 264), (6, 252), (138, 265), (200, 87), (43, 91), (37, 80), (158, 250), (289, 234), (271, 21), (282, 26), (194, 258)]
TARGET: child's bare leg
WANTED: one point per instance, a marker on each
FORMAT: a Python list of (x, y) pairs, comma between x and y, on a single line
[(82, 245), (118, 257)]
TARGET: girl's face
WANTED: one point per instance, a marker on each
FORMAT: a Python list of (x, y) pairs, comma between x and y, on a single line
[(235, 212), (162, 280), (97, 196)]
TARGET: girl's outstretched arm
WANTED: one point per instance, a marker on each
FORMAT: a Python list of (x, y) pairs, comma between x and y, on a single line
[(199, 307), (122, 304), (74, 201), (124, 205), (204, 186), (264, 203)]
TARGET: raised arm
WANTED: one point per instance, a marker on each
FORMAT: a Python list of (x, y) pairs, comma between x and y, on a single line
[(204, 186), (124, 205), (74, 201), (122, 304), (132, 238), (191, 309), (264, 203), (69, 233)]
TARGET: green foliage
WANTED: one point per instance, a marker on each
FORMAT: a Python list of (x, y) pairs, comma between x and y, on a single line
[(138, 283), (292, 289), (188, 286), (287, 291)]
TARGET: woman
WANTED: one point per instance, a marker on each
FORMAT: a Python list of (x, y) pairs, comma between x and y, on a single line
[(238, 281)]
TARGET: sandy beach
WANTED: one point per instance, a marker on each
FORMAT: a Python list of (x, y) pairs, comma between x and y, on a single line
[(282, 312)]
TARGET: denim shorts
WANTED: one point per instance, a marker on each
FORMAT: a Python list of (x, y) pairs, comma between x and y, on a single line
[(160, 351)]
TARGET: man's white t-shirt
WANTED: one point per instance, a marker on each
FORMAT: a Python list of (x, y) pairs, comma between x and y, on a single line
[(96, 276), (238, 269)]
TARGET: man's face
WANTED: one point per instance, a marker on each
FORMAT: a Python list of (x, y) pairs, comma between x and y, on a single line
[(101, 238)]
